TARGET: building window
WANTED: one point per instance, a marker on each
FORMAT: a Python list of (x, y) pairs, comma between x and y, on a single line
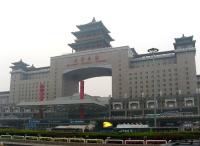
[(117, 106)]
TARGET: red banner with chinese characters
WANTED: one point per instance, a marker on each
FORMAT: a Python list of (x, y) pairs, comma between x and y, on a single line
[(41, 92), (81, 90)]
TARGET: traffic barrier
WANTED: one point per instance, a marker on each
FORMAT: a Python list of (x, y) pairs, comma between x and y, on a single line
[(76, 140), (82, 140), (156, 142), (134, 142), (18, 137), (6, 136), (34, 138), (114, 141), (95, 141), (46, 139), (63, 139)]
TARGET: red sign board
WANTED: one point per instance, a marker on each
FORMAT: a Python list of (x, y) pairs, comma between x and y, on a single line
[(81, 90), (86, 60), (41, 92)]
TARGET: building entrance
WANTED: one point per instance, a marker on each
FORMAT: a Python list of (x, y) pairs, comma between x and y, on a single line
[(71, 78)]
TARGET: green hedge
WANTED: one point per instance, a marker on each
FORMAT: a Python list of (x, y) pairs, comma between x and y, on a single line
[(98, 135)]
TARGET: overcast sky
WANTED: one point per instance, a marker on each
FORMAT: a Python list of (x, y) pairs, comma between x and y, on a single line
[(35, 30)]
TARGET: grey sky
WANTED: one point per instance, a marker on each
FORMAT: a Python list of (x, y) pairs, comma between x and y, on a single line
[(35, 30)]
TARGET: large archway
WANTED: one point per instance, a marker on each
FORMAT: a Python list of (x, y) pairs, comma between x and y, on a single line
[(71, 78), (98, 86)]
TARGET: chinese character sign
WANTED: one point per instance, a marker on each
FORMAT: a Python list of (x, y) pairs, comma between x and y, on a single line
[(41, 92), (81, 90)]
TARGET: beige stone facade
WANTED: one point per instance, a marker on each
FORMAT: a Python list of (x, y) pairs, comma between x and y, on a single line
[(24, 84), (132, 74), (174, 73)]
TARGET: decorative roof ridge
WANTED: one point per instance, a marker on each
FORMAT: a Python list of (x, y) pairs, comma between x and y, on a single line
[(88, 30), (92, 23), (20, 62), (184, 37), (184, 42)]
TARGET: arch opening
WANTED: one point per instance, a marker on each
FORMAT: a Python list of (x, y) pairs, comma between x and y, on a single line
[(70, 79)]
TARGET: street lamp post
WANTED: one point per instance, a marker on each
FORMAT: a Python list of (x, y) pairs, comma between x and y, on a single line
[(153, 51)]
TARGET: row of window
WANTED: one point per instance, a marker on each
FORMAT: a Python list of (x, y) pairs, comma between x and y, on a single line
[(169, 70), (150, 63), (150, 104)]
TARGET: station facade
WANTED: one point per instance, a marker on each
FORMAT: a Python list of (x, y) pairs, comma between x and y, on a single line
[(137, 79)]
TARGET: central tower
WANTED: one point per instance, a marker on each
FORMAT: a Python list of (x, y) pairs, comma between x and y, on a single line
[(90, 36)]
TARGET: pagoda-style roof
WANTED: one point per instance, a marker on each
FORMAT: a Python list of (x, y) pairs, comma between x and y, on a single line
[(90, 36), (184, 42), (95, 37), (83, 44), (79, 34), (20, 63), (93, 24)]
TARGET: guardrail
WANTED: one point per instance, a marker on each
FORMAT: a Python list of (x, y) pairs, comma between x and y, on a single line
[(156, 142), (134, 142), (80, 140), (114, 141)]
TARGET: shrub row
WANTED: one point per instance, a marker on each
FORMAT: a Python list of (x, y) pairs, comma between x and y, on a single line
[(99, 135)]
